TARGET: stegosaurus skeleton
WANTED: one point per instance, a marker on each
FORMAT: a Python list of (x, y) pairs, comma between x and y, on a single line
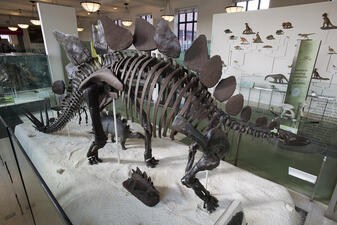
[(183, 95)]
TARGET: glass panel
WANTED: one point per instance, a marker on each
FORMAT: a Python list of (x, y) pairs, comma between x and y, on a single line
[(243, 4), (253, 5), (23, 72), (181, 32), (182, 17), (190, 16), (189, 32), (43, 209), (264, 4), (13, 201)]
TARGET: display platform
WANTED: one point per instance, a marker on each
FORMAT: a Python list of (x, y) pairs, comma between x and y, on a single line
[(95, 195)]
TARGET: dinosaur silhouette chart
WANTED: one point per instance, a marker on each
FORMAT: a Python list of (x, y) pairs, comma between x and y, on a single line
[(327, 23), (133, 77), (277, 78), (316, 76), (248, 30), (270, 37)]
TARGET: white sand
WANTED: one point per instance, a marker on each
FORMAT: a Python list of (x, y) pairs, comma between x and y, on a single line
[(93, 195)]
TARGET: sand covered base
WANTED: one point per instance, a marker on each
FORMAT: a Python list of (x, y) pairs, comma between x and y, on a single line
[(94, 195)]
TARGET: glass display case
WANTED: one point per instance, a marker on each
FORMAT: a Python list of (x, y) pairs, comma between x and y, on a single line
[(23, 78)]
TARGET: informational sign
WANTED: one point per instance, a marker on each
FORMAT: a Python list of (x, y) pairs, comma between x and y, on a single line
[(300, 77)]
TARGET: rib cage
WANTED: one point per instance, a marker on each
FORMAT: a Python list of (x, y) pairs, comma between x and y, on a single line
[(180, 92), (140, 73)]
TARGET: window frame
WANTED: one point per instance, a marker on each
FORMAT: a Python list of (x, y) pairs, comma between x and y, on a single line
[(185, 22), (247, 2), (147, 17)]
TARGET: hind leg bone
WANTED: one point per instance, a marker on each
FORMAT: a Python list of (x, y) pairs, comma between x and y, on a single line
[(207, 162), (100, 138)]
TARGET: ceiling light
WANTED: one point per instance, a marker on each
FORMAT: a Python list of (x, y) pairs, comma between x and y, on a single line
[(233, 9), (23, 25), (13, 28), (168, 15), (91, 6), (36, 22), (79, 29), (127, 23), (168, 18)]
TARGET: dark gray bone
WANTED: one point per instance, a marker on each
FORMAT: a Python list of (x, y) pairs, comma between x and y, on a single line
[(246, 113), (59, 87), (197, 55), (117, 37), (225, 89), (76, 52), (211, 71), (167, 42), (234, 105), (98, 38), (143, 36)]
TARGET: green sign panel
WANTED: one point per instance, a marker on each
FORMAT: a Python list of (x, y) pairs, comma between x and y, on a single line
[(301, 73)]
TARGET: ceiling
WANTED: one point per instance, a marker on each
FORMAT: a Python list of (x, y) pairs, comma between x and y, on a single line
[(23, 8)]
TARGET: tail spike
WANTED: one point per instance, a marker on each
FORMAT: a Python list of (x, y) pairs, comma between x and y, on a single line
[(47, 116), (32, 118), (41, 116)]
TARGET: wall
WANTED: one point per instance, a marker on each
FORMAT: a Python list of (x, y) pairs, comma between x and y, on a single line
[(254, 62), (63, 19)]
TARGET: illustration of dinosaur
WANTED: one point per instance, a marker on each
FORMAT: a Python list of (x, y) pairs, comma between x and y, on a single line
[(244, 40), (306, 36), (279, 32), (257, 39), (287, 25), (183, 96), (278, 78), (248, 30), (331, 50), (316, 76), (327, 23)]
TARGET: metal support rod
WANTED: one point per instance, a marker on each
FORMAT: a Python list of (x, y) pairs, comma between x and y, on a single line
[(271, 97), (237, 150), (258, 102), (327, 65), (318, 179), (116, 132)]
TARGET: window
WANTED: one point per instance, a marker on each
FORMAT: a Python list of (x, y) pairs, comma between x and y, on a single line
[(118, 22), (3, 36), (254, 4), (148, 18), (187, 28)]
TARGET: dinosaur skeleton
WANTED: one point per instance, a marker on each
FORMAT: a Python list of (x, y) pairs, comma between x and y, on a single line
[(183, 96)]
